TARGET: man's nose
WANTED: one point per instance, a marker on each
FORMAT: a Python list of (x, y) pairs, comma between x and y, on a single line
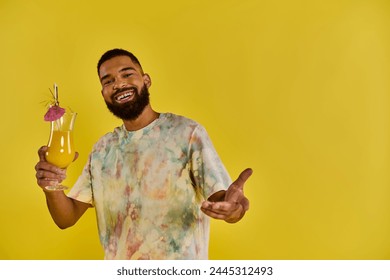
[(119, 83)]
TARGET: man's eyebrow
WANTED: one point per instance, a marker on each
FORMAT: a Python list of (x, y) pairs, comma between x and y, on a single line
[(127, 68), (104, 77), (122, 70)]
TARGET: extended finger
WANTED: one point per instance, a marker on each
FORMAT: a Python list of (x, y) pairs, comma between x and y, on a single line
[(220, 207), (243, 177), (214, 214)]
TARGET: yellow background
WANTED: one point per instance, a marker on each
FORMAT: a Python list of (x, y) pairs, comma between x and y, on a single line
[(297, 90)]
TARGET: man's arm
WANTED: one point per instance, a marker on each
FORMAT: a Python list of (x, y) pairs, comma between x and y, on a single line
[(229, 205), (65, 211)]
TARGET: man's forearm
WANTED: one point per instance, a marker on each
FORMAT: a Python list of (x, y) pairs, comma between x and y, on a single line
[(64, 210)]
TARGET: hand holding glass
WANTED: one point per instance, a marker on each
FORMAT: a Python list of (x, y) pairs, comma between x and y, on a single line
[(61, 150)]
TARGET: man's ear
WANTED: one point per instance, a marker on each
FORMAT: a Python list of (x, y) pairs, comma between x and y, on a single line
[(147, 80)]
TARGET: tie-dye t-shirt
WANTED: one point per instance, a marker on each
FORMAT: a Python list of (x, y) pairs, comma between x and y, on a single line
[(147, 187)]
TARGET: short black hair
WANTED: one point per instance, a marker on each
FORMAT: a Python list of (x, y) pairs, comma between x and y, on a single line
[(117, 52)]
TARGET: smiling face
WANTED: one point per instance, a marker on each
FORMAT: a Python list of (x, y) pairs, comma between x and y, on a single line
[(124, 87)]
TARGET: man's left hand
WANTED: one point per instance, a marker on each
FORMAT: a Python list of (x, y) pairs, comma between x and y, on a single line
[(229, 205)]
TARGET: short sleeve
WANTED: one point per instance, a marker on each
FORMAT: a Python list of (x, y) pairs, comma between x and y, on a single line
[(82, 189), (207, 169)]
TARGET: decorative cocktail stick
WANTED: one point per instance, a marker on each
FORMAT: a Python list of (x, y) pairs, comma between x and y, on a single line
[(56, 94), (54, 111)]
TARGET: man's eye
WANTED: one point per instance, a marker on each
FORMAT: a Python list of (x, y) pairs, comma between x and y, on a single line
[(127, 75), (107, 82)]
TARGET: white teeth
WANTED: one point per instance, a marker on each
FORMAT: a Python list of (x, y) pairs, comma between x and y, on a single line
[(123, 96)]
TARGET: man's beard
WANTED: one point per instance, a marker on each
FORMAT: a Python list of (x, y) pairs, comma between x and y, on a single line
[(130, 110)]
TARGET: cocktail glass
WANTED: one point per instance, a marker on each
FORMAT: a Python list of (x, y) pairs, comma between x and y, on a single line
[(61, 150)]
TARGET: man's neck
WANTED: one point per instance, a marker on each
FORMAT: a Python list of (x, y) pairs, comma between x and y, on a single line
[(147, 116)]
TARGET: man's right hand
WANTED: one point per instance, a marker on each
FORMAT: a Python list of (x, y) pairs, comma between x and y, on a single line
[(48, 174), (64, 210)]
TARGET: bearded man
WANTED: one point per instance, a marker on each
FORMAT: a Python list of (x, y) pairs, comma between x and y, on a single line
[(154, 182)]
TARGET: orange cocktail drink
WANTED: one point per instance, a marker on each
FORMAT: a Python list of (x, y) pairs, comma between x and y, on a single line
[(60, 150)]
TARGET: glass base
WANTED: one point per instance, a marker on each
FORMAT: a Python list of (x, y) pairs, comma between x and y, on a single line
[(56, 188)]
